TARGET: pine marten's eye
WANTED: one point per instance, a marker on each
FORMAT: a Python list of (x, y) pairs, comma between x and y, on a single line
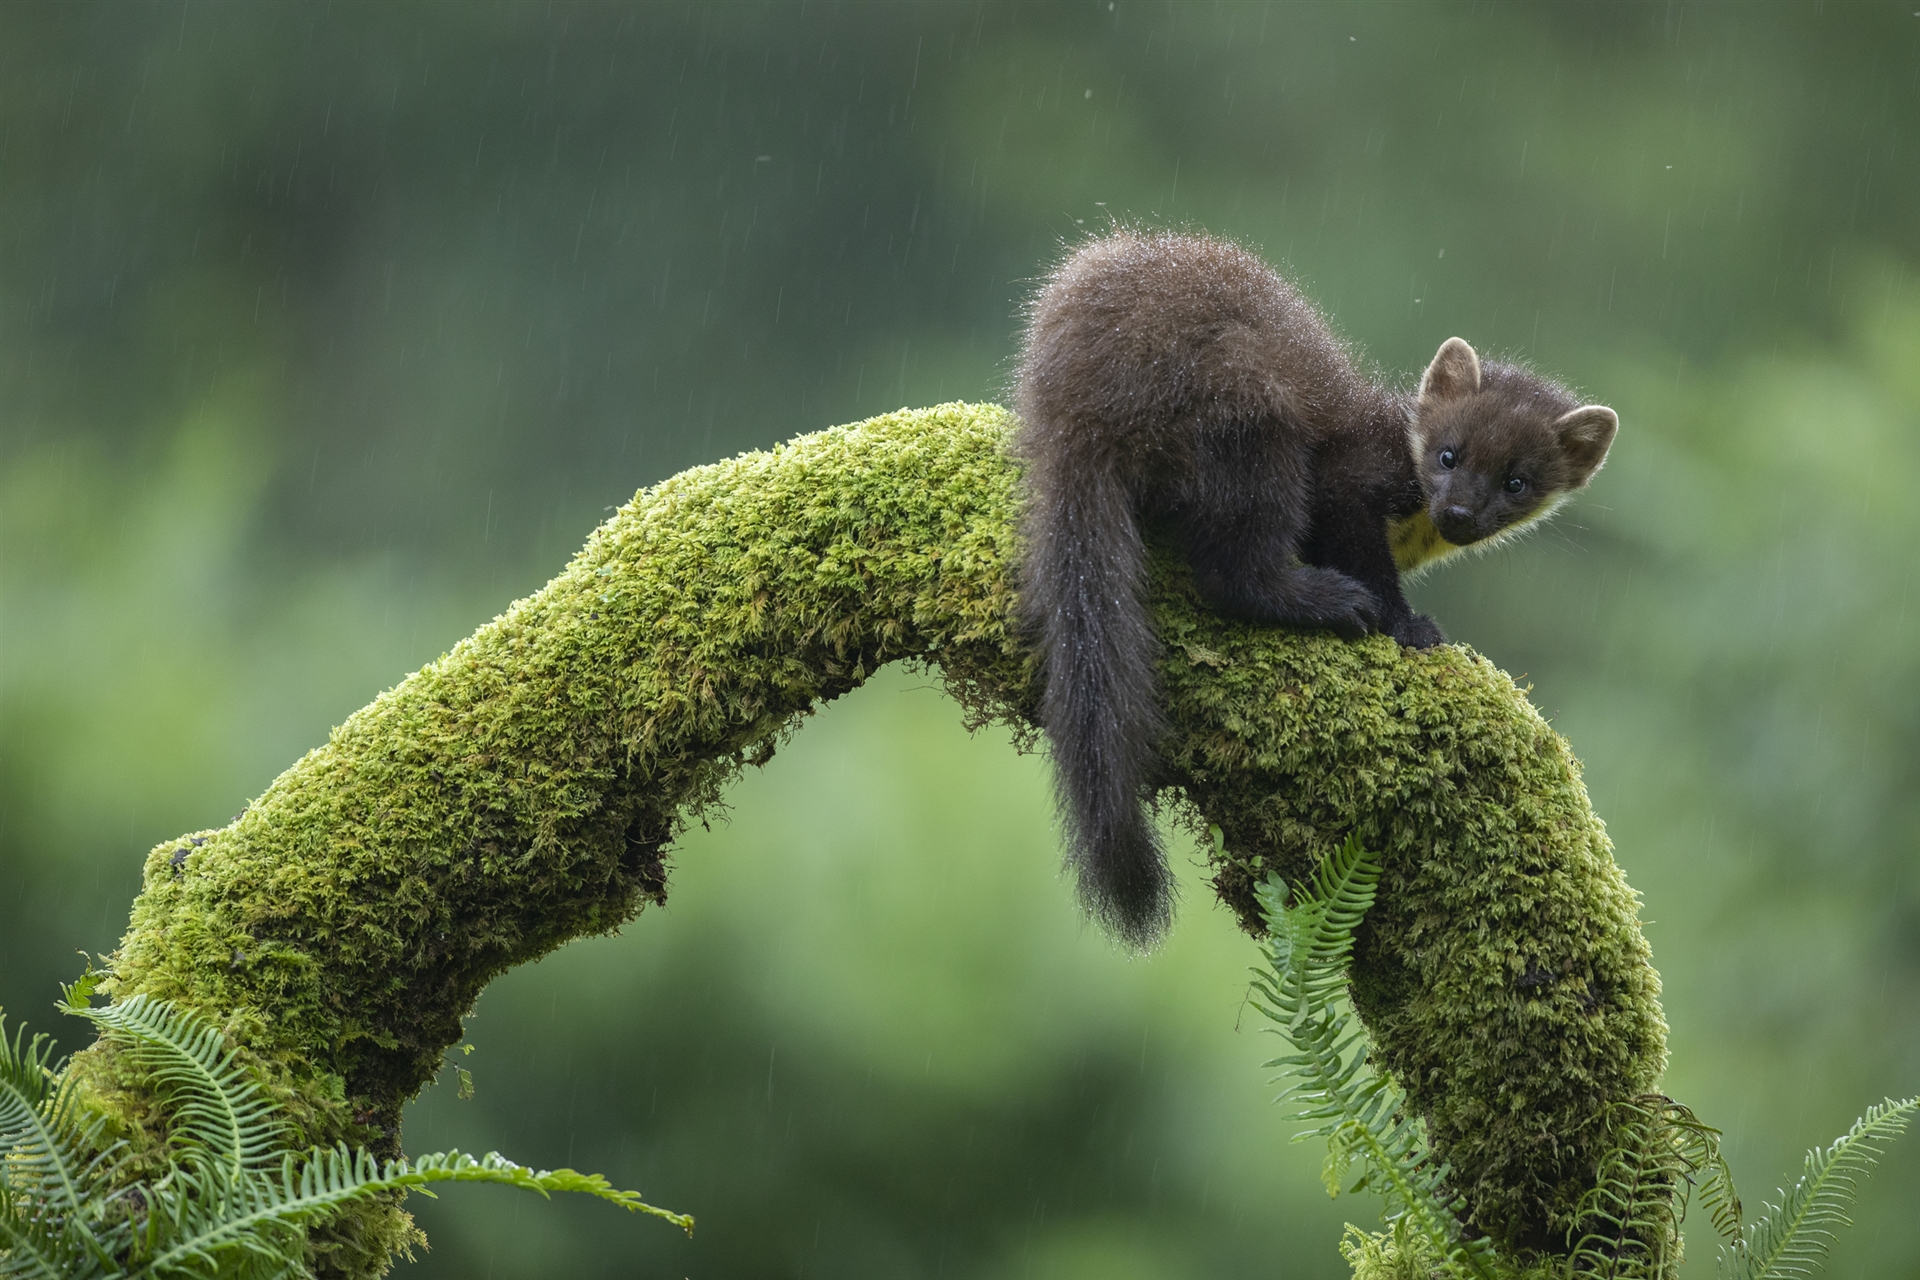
[(1516, 485), (1447, 459)]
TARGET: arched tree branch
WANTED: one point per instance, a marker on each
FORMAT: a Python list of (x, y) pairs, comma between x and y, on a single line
[(525, 789)]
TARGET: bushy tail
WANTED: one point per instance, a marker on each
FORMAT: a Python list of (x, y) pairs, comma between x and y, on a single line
[(1083, 600)]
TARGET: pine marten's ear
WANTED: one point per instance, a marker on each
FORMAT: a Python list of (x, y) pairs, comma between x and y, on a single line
[(1585, 435), (1455, 372)]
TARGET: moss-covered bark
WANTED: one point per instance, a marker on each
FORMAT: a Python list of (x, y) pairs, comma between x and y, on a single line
[(523, 790)]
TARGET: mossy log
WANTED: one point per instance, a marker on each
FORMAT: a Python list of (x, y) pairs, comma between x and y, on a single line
[(526, 789)]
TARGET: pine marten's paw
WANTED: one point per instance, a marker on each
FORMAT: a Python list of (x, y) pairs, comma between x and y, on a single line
[(1418, 631), (1331, 599)]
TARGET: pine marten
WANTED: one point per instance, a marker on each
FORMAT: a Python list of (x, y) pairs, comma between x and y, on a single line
[(1178, 379)]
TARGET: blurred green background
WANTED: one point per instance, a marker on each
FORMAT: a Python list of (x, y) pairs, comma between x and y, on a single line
[(328, 329)]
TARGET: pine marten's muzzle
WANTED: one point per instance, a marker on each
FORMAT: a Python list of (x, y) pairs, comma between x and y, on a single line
[(1458, 524)]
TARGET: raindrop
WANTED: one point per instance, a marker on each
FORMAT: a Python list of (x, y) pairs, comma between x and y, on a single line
[(1090, 92)]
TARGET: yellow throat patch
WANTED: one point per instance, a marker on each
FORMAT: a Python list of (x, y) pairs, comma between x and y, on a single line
[(1416, 543)]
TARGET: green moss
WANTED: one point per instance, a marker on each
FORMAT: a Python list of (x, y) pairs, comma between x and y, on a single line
[(1501, 973), (1402, 1254), (522, 791)]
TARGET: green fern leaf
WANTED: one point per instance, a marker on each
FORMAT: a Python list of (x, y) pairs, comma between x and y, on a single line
[(30, 1249), (1629, 1222), (201, 1222), (43, 1164), (1363, 1116), (233, 1204), (50, 1157), (204, 1226), (1790, 1241), (212, 1102), (455, 1166), (51, 1170), (1721, 1198)]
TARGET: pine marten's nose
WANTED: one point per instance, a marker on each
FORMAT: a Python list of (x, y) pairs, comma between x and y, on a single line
[(1457, 525)]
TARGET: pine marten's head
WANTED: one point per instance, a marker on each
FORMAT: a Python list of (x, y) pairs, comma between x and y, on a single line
[(1497, 446)]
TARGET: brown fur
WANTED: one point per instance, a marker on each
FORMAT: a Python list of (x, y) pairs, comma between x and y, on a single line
[(1178, 379)]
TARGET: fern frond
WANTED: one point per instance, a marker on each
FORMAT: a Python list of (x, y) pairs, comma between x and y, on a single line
[(45, 1137), (32, 1247), (1312, 939), (212, 1102), (1628, 1224), (1722, 1199), (1791, 1239), (457, 1166), (51, 1174), (1699, 1145), (233, 1202), (24, 1248), (1363, 1116), (203, 1225)]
